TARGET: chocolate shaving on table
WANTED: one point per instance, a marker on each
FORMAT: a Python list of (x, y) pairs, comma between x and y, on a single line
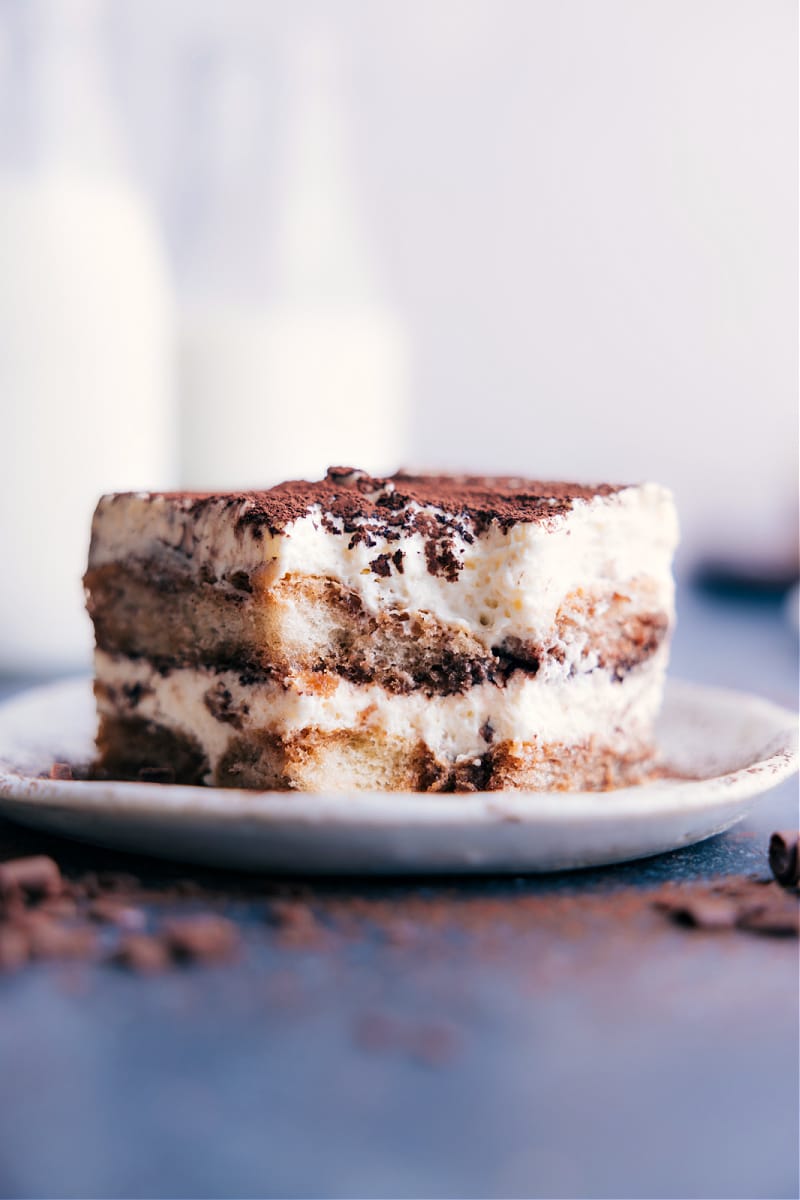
[(142, 953), (703, 912), (296, 923), (112, 916), (206, 938), (775, 920), (291, 914), (784, 857), (751, 905)]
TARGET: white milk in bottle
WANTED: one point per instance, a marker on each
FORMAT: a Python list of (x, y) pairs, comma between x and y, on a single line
[(85, 338), (289, 358)]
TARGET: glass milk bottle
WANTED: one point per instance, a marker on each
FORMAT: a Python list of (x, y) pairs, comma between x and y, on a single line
[(85, 330), (289, 360)]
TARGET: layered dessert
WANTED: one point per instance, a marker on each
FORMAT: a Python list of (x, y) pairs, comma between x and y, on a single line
[(426, 633)]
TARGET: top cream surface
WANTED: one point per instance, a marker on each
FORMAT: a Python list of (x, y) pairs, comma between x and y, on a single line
[(510, 583)]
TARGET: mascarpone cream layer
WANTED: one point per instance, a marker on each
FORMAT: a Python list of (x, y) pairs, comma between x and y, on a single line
[(619, 714), (511, 584)]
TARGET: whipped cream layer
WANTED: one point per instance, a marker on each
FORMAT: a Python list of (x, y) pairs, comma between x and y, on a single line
[(526, 710), (496, 581)]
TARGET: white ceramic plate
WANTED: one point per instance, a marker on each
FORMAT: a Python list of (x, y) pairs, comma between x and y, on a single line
[(734, 746)]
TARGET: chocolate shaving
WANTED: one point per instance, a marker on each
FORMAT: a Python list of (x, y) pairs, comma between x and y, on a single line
[(703, 912), (775, 920), (752, 905), (203, 937), (241, 581), (219, 702), (381, 566), (142, 954), (296, 922), (290, 914)]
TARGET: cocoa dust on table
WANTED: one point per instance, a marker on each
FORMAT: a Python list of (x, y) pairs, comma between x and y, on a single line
[(59, 901)]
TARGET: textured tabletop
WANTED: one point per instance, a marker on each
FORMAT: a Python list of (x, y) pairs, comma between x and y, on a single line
[(532, 1037)]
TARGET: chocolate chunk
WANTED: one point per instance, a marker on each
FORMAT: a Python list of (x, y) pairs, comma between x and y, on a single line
[(134, 693), (360, 537), (241, 581), (219, 702), (34, 876), (344, 476), (784, 857), (204, 938), (441, 559), (61, 770), (381, 567), (516, 655)]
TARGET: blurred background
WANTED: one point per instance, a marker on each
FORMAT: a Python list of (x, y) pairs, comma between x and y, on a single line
[(242, 239)]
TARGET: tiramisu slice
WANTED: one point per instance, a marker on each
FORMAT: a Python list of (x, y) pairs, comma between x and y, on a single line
[(421, 633)]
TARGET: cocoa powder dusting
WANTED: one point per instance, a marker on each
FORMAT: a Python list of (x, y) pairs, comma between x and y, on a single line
[(364, 507)]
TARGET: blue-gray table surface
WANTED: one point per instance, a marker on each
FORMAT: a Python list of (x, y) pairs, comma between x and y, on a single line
[(592, 1051)]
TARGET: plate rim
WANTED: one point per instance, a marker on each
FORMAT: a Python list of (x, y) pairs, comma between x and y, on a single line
[(655, 798)]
